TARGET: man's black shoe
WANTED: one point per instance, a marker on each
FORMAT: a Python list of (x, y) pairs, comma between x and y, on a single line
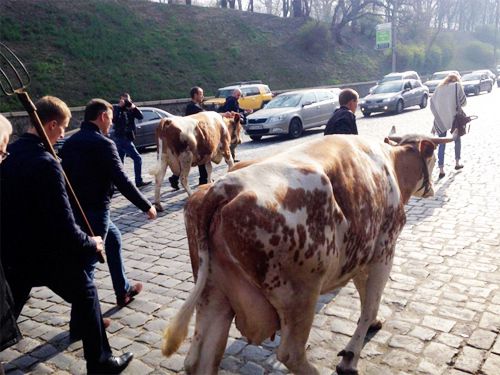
[(113, 365), (203, 182), (143, 183), (174, 182)]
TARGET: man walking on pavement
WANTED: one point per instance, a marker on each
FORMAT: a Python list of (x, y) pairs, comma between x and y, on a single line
[(124, 115), (92, 164), (41, 243), (193, 107)]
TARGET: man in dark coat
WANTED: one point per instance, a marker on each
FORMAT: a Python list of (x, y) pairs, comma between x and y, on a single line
[(343, 120), (9, 332), (41, 243), (124, 115), (193, 107), (232, 105), (93, 166)]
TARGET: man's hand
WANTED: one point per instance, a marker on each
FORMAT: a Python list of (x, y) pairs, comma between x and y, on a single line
[(99, 243), (151, 213)]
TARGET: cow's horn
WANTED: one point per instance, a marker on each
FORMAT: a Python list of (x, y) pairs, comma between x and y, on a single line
[(395, 138), (393, 130)]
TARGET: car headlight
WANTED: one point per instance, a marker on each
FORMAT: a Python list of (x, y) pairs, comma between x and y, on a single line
[(362, 101), (275, 118)]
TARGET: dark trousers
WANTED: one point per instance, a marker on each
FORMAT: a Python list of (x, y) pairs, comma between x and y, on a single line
[(71, 283), (203, 176)]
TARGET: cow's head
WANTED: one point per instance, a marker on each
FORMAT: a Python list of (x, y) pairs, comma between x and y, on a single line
[(415, 162), (234, 127)]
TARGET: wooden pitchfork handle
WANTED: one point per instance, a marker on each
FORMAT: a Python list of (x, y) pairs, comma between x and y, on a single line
[(35, 120)]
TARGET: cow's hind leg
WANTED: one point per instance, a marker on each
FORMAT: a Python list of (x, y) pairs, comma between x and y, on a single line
[(213, 320), (208, 167), (370, 288), (185, 160), (159, 175), (296, 318)]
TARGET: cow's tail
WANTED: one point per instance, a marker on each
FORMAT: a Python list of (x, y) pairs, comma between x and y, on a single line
[(198, 214), (154, 171)]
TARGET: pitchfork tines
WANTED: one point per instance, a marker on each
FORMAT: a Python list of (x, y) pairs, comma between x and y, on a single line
[(14, 75)]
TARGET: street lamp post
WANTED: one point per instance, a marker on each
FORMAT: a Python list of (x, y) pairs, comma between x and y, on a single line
[(394, 29)]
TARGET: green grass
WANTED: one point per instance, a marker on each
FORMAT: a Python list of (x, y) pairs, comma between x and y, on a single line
[(79, 50)]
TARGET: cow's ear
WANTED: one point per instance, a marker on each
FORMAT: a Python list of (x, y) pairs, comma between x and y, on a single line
[(389, 142), (426, 148)]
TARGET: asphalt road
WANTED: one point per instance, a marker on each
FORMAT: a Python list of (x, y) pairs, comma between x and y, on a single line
[(441, 306)]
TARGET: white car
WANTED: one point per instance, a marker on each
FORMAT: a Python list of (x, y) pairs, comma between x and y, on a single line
[(397, 76)]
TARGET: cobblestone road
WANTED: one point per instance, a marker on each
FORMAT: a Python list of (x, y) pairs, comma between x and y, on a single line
[(441, 305)]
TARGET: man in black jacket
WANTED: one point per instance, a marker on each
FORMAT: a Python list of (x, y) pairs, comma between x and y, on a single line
[(9, 332), (193, 107), (41, 243), (93, 166), (343, 120), (124, 115)]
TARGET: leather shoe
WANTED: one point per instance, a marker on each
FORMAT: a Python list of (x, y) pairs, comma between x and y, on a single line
[(441, 175), (174, 182), (459, 166), (124, 300), (143, 183), (113, 365)]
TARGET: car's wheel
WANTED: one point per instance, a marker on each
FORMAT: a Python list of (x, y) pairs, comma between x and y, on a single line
[(477, 90), (366, 113), (255, 137), (400, 106), (423, 104), (498, 83), (491, 88), (295, 128)]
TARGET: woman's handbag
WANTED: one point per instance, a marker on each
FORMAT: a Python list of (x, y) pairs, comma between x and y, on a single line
[(461, 119)]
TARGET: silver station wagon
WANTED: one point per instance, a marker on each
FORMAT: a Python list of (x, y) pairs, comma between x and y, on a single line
[(292, 112)]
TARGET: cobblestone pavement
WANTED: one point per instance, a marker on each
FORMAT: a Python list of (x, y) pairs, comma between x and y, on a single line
[(441, 306)]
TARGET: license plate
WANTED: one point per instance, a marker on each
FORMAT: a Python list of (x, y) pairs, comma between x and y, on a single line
[(255, 127)]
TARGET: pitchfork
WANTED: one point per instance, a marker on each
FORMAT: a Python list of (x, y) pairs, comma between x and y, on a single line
[(15, 83)]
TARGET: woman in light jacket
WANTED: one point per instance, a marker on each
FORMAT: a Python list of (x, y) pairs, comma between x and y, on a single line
[(449, 96)]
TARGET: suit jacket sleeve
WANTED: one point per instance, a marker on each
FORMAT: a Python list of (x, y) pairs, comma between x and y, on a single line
[(121, 181), (67, 234)]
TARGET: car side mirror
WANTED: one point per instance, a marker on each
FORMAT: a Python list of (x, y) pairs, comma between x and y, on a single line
[(307, 103)]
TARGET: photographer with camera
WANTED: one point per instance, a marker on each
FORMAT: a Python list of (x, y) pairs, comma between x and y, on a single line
[(124, 115)]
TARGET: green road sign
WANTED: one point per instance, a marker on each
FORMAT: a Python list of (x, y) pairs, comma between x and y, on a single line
[(383, 36)]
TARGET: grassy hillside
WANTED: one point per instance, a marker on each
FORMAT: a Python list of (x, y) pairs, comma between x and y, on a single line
[(79, 49), (83, 49)]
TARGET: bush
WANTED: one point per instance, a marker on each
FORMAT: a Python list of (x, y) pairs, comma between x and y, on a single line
[(479, 53), (485, 33), (313, 37)]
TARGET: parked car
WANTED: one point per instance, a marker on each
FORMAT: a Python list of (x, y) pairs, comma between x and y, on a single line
[(490, 74), (292, 112), (474, 83), (145, 134), (394, 97), (254, 95), (437, 77), (410, 74)]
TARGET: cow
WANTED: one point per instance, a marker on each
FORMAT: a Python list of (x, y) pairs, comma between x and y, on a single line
[(268, 238), (197, 139)]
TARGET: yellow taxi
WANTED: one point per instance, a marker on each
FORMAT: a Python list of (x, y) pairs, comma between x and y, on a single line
[(254, 95)]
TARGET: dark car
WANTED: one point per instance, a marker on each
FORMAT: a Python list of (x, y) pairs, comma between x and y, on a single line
[(394, 97), (474, 83), (145, 134)]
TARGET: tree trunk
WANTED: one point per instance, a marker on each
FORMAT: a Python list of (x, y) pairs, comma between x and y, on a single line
[(232, 4), (297, 8), (240, 5), (286, 8), (250, 6), (188, 2), (223, 3)]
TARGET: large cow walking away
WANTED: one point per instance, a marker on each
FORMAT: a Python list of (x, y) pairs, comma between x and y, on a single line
[(271, 236), (193, 140)]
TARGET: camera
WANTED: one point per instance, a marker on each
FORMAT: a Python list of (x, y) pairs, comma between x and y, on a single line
[(128, 103)]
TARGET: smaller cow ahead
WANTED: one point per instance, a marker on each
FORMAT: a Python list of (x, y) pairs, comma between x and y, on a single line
[(267, 239), (198, 139)]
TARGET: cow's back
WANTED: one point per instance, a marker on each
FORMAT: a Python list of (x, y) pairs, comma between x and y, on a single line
[(322, 206)]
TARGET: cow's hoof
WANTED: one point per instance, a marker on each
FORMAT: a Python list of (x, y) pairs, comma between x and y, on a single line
[(159, 207), (347, 355), (341, 371), (374, 327)]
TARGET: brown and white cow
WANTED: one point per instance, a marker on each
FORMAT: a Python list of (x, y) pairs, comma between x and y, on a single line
[(270, 236), (197, 139)]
